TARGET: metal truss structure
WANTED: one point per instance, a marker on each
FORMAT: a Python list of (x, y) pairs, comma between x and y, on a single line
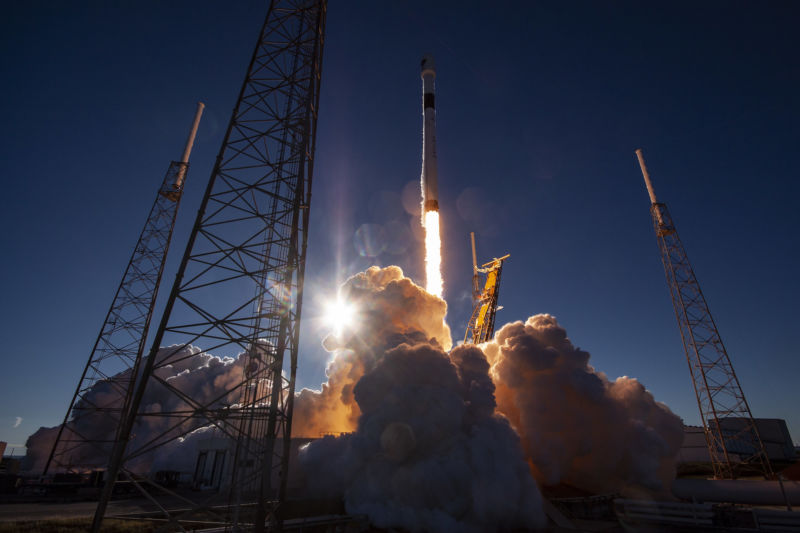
[(481, 323), (83, 442), (734, 443), (238, 294)]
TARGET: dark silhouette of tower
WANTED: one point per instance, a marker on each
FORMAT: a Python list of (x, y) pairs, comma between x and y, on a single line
[(727, 421), (238, 293), (104, 391)]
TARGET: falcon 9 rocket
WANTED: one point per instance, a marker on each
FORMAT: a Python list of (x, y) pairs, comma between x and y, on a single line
[(430, 187), (428, 182)]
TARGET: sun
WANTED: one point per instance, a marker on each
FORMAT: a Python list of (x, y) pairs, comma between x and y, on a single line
[(339, 315)]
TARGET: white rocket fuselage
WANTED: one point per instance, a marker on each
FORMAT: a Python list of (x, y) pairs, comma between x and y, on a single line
[(429, 178)]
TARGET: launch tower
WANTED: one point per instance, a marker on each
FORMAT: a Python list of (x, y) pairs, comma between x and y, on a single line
[(719, 394), (238, 293), (481, 323), (81, 444)]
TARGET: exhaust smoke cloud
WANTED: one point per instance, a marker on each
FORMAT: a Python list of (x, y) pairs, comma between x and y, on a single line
[(428, 452), (387, 309), (576, 425), (419, 441), (199, 374), (434, 438)]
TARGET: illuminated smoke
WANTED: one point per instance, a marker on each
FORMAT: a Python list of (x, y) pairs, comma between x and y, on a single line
[(433, 255), (428, 452), (386, 309), (199, 375), (576, 425), (421, 446), (433, 445)]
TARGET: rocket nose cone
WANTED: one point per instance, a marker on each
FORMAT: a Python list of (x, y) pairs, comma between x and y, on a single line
[(428, 66)]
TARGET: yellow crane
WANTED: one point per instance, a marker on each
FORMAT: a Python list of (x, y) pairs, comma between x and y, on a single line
[(481, 323)]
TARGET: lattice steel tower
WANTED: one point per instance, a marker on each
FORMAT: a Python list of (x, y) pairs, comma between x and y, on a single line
[(238, 291), (727, 421), (105, 388)]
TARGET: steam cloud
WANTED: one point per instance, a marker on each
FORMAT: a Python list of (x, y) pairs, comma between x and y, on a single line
[(429, 453), (431, 440), (391, 309), (199, 375), (576, 425)]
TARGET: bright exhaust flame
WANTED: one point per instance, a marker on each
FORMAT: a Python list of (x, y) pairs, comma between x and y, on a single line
[(433, 254)]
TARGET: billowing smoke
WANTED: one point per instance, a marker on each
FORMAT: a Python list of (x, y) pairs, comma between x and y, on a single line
[(576, 425), (431, 440), (428, 453), (431, 449), (389, 309), (397, 308), (200, 375)]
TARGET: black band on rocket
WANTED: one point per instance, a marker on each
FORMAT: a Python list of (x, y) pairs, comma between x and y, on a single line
[(427, 101)]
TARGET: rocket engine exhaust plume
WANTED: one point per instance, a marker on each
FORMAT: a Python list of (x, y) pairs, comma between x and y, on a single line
[(433, 255), (429, 182)]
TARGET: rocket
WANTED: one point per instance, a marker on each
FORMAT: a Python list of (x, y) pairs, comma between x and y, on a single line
[(429, 178)]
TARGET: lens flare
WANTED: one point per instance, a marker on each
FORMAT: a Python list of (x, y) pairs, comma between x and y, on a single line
[(433, 254)]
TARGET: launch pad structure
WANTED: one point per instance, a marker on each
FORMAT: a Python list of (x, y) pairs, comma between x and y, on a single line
[(481, 323), (238, 292), (81, 444), (719, 394)]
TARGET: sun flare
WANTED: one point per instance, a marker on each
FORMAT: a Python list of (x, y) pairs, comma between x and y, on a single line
[(339, 315)]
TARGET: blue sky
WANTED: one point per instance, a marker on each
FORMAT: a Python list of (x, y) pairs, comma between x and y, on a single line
[(540, 108)]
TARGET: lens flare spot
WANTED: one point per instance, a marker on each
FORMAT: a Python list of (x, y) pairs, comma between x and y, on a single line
[(370, 240)]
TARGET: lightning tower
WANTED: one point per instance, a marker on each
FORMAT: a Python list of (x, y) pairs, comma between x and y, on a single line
[(81, 445), (727, 421), (481, 323), (238, 293)]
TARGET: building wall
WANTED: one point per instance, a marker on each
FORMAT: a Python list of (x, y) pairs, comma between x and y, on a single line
[(220, 449), (773, 431)]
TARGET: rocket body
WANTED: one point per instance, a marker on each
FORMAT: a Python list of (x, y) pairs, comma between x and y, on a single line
[(428, 183), (429, 179)]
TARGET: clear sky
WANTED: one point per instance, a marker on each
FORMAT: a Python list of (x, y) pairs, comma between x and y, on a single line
[(540, 108)]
